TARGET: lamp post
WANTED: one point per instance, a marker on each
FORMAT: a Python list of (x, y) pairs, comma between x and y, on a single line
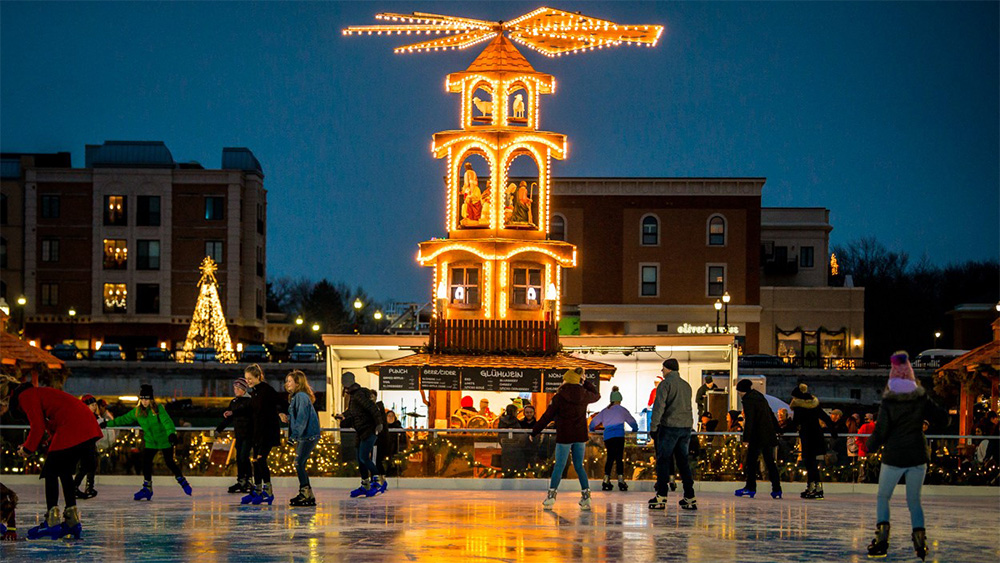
[(21, 302), (72, 326), (378, 316), (358, 305), (725, 304), (937, 334), (718, 307)]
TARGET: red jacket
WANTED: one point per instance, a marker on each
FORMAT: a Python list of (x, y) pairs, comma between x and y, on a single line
[(62, 415), (866, 428)]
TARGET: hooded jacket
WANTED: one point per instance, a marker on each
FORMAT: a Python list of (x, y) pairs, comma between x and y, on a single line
[(759, 425), (899, 428), (157, 426), (569, 410), (362, 415), (266, 424), (62, 415), (807, 416)]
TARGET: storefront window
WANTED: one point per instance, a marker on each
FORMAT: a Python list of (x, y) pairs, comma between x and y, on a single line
[(833, 345), (790, 345)]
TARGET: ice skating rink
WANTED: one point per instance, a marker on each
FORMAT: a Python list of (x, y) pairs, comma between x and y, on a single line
[(469, 526)]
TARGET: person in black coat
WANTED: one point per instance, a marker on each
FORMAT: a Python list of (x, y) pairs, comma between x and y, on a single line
[(807, 416), (239, 415), (899, 432), (362, 415), (760, 434), (264, 409)]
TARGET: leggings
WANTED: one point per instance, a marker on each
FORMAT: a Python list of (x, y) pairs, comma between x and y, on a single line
[(58, 470), (168, 458), (243, 466), (88, 467), (887, 481), (261, 473), (754, 452), (812, 466), (562, 454), (365, 463), (616, 451)]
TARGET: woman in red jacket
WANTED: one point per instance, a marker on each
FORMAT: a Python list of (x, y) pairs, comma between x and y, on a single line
[(74, 433)]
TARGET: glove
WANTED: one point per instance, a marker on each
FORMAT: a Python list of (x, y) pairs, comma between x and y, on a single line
[(103, 424), (173, 439)]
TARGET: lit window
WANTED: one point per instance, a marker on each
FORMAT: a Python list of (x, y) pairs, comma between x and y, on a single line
[(650, 280), (465, 286), (115, 298), (115, 254), (650, 231), (716, 231), (50, 250), (716, 280), (526, 287), (115, 210)]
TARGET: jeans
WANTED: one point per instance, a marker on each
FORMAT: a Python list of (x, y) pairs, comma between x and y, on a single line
[(755, 451), (887, 481), (562, 454), (302, 451), (673, 443), (365, 463)]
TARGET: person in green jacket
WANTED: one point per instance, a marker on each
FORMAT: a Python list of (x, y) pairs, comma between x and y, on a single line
[(159, 435)]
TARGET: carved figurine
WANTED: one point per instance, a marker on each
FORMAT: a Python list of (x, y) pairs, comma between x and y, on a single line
[(486, 108), (521, 215), (472, 205), (518, 105)]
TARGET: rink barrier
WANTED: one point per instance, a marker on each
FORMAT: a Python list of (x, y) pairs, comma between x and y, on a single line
[(442, 456)]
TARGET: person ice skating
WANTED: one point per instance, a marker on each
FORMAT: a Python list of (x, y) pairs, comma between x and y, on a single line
[(362, 415), (613, 418), (303, 431), (88, 463), (159, 436), (899, 433), (239, 414), (72, 430), (382, 437), (672, 420), (760, 434), (8, 514), (808, 415), (568, 409), (266, 434)]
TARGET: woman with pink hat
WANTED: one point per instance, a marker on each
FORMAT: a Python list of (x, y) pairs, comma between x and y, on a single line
[(899, 432)]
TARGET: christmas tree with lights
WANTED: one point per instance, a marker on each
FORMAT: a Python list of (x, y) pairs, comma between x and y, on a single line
[(208, 324)]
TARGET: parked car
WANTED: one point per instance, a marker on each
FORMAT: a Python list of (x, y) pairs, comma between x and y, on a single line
[(256, 353), (66, 352), (112, 352), (205, 355), (154, 354), (762, 361), (304, 353), (936, 357)]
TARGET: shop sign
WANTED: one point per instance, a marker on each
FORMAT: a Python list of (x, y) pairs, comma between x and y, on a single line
[(399, 378), (553, 378), (706, 329), (441, 379), (512, 380)]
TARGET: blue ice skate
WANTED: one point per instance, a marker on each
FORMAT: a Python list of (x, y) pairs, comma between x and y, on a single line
[(266, 495), (250, 498), (145, 493), (184, 485), (375, 489), (361, 491), (776, 495), (51, 527), (745, 493)]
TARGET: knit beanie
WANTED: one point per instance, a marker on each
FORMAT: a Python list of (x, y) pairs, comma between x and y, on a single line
[(616, 397), (744, 385), (88, 399), (574, 376), (241, 382), (146, 391), (901, 378), (347, 379), (467, 402), (801, 391), (671, 364)]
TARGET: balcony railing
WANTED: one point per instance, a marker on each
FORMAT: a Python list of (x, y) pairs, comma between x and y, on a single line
[(493, 336)]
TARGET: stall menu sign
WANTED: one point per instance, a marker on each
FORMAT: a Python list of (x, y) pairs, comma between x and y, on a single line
[(442, 379), (512, 380), (553, 378), (399, 378)]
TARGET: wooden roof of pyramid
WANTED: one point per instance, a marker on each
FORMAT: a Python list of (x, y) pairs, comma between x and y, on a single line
[(500, 58), (16, 352)]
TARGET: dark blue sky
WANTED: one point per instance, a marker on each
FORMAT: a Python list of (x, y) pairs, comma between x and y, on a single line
[(886, 113)]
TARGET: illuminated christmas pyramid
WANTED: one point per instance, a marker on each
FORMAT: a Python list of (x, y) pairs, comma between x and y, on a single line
[(208, 323)]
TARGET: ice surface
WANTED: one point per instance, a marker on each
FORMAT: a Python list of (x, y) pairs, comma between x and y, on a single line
[(470, 526)]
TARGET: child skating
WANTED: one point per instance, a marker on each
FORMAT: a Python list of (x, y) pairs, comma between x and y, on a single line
[(613, 418), (362, 415)]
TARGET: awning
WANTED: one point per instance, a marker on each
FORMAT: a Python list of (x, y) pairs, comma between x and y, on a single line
[(14, 351)]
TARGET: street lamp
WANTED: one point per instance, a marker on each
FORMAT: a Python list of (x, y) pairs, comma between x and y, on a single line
[(315, 327), (299, 321), (937, 334), (21, 302), (725, 302), (72, 326), (378, 315), (718, 307), (357, 314)]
